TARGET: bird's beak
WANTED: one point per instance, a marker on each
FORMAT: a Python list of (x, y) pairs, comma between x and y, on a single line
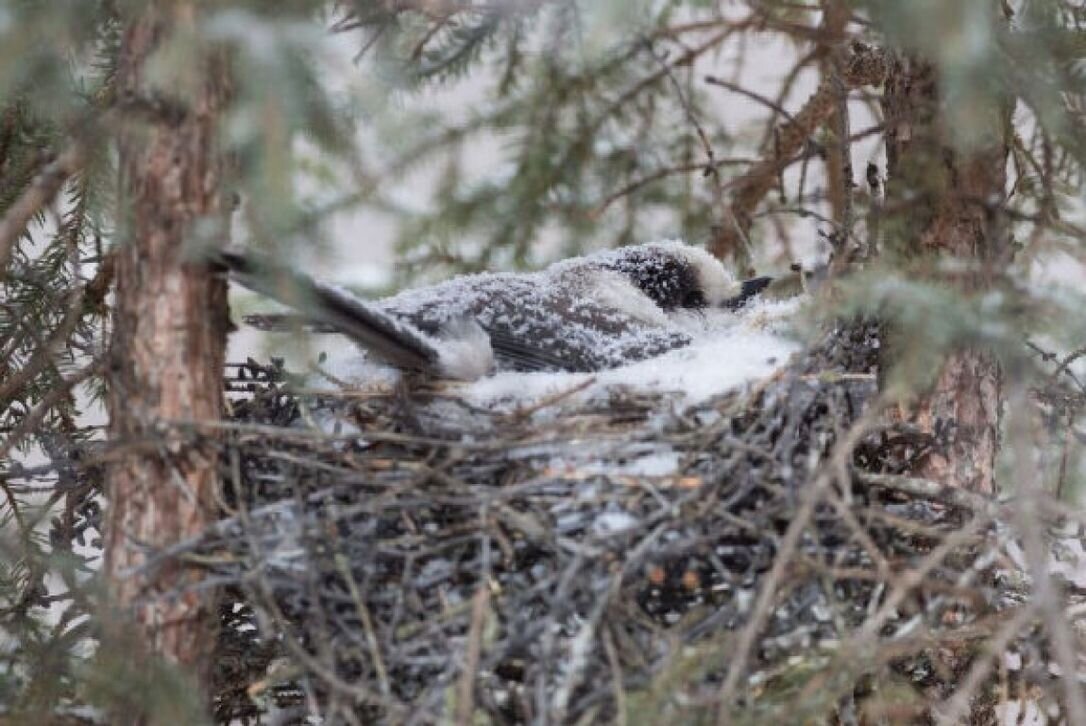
[(796, 282), (747, 290)]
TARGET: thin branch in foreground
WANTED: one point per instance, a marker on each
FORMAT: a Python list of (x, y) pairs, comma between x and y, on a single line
[(955, 709), (754, 96), (465, 695), (42, 190)]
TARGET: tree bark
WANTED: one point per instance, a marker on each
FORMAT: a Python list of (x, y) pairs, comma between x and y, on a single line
[(949, 204), (835, 18), (169, 337)]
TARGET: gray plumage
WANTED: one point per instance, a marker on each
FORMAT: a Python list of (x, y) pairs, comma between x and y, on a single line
[(583, 314)]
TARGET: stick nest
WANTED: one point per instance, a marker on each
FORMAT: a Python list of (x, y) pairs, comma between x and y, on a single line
[(403, 557)]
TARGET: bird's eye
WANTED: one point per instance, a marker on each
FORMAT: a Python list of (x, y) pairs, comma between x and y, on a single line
[(694, 299)]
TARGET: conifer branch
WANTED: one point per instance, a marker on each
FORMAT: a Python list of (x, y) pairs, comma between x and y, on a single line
[(42, 190), (864, 66)]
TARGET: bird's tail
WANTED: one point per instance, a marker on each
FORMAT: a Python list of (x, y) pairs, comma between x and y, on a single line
[(328, 307)]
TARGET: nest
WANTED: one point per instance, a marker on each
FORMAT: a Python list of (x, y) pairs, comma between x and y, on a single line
[(402, 557)]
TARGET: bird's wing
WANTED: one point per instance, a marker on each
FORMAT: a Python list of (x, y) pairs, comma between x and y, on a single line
[(538, 323), (521, 355)]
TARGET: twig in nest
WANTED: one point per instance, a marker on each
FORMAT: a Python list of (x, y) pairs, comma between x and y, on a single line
[(465, 692), (552, 399)]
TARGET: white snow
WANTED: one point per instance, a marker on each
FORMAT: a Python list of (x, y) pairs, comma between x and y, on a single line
[(345, 364), (661, 463), (1066, 559), (1020, 713), (614, 522)]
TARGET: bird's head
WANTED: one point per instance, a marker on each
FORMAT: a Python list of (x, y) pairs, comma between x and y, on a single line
[(675, 275)]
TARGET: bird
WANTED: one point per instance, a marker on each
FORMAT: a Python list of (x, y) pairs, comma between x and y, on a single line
[(581, 314)]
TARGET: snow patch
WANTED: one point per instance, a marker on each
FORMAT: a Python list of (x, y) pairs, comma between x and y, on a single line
[(1020, 713), (662, 463), (614, 522)]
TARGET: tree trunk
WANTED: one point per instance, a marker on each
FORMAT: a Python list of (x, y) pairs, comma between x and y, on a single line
[(169, 337), (948, 203)]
